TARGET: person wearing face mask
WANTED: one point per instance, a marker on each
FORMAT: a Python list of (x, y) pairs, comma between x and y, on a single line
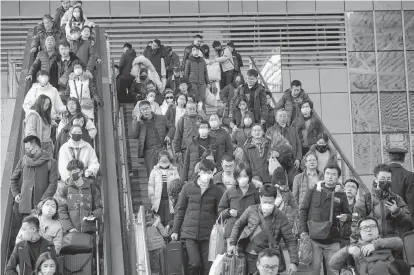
[(138, 89), (177, 110), (187, 128), (291, 100), (307, 126), (196, 147), (239, 112), (84, 48), (50, 227), (34, 178), (224, 145), (280, 181), (196, 213), (77, 148), (77, 20), (263, 226), (152, 131), (73, 108), (156, 54), (168, 101), (155, 108), (44, 59), (26, 252), (174, 80), (325, 152), (80, 203), (228, 92), (159, 181), (384, 205), (237, 198), (82, 87), (320, 213), (46, 265), (45, 29), (241, 134)]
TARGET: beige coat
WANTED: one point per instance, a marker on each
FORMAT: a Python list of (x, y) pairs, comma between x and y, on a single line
[(155, 185)]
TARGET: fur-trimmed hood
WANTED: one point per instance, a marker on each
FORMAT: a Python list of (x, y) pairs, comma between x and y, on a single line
[(143, 62), (85, 76)]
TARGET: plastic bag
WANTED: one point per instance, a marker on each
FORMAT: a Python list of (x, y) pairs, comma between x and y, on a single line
[(305, 251), (214, 72), (210, 98), (217, 267), (216, 245), (273, 165)]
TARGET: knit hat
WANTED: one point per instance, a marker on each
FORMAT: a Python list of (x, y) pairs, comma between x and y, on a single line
[(279, 176)]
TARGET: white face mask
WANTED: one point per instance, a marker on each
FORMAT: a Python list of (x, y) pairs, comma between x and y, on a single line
[(267, 208), (205, 180), (214, 124), (203, 132), (43, 80), (306, 111), (78, 71), (151, 99), (243, 181)]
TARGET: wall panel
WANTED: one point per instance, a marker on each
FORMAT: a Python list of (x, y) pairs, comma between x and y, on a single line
[(97, 8), (272, 6), (301, 6), (249, 6), (124, 8), (335, 112), (10, 8), (214, 6), (235, 6), (33, 8), (359, 6), (334, 80), (184, 7), (309, 79), (154, 7), (387, 5), (330, 6)]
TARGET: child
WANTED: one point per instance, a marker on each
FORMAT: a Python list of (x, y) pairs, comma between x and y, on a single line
[(196, 72), (159, 180), (155, 240), (155, 108), (83, 88)]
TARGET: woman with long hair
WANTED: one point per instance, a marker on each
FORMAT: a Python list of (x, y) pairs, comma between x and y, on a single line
[(77, 20), (46, 265), (39, 122), (73, 107)]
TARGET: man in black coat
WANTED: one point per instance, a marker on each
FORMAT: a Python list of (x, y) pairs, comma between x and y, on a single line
[(187, 51), (124, 79), (196, 213)]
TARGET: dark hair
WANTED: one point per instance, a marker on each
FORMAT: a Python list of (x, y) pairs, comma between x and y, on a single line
[(352, 180), (174, 190), (86, 27), (40, 205), (268, 252), (306, 101), (399, 267), (296, 83), (205, 49), (75, 163), (227, 157), (399, 157), (198, 36), (78, 116), (32, 138), (75, 29), (42, 72), (231, 45), (143, 103), (150, 82), (205, 122), (127, 45), (43, 258), (78, 106), (166, 154), (33, 221), (269, 93), (216, 44), (182, 94), (252, 72), (367, 218), (47, 16), (382, 167), (168, 49), (64, 43), (239, 168), (157, 41), (206, 165), (81, 18), (38, 107), (206, 153), (323, 136), (257, 124), (333, 166), (225, 126), (268, 190)]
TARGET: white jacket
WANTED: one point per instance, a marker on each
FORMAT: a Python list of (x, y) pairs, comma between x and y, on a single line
[(79, 88), (48, 90), (87, 155), (143, 62), (155, 185), (89, 126)]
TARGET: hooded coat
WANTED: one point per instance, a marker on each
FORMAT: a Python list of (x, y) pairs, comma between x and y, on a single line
[(290, 134), (35, 126), (155, 185), (157, 59), (125, 63), (85, 51), (291, 104), (64, 137), (196, 70), (257, 104), (143, 62), (258, 164), (35, 179)]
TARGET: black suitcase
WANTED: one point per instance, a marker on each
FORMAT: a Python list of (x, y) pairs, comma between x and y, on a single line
[(176, 259), (80, 264), (408, 240)]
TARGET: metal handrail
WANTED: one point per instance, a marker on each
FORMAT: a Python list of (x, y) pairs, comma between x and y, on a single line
[(143, 264), (331, 138)]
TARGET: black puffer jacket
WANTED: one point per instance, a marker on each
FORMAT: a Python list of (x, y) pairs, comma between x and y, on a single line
[(196, 213)]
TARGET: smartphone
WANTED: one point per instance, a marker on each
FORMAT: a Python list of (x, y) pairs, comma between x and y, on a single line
[(392, 199)]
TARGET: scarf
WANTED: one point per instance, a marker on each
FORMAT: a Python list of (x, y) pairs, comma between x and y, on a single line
[(259, 145), (37, 161)]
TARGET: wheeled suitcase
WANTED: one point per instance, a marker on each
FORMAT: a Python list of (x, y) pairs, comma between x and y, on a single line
[(234, 265), (408, 240), (176, 259), (80, 264)]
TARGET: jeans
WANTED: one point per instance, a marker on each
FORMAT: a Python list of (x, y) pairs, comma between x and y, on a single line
[(226, 78), (151, 158), (320, 252), (197, 251)]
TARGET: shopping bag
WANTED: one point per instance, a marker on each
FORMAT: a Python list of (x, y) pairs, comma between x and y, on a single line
[(216, 245), (273, 165), (305, 251), (216, 267), (210, 98), (214, 71)]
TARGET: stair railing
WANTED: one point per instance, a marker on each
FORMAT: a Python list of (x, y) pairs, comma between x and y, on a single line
[(354, 173), (143, 263)]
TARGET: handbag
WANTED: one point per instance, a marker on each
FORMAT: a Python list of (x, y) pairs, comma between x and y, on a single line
[(87, 104), (216, 244), (282, 262), (273, 165), (321, 230), (210, 98), (77, 243)]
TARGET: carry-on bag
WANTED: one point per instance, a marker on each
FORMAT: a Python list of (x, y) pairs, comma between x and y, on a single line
[(176, 258), (80, 264), (77, 243), (408, 241), (233, 265)]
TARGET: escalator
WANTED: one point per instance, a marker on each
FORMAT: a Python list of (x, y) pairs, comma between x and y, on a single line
[(112, 225)]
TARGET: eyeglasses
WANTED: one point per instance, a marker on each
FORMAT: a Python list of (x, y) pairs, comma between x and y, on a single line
[(169, 97), (370, 227), (270, 267)]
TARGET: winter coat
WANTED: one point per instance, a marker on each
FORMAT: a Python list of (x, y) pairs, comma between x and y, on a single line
[(35, 179), (238, 61), (240, 136), (58, 75), (288, 198), (157, 59), (78, 202), (293, 218), (84, 89), (67, 16), (163, 126), (64, 136), (43, 62), (218, 180), (155, 237), (258, 164), (171, 61), (316, 207), (257, 105), (174, 83), (90, 127), (196, 70), (51, 230), (40, 38), (196, 212), (301, 185), (187, 128), (315, 128), (125, 63), (138, 90), (36, 90), (291, 104), (227, 94), (192, 156), (401, 181), (280, 229), (83, 152), (234, 198), (21, 257), (60, 12), (289, 133), (155, 108), (155, 185), (35, 126), (375, 264), (224, 145), (238, 117), (390, 225), (226, 60), (69, 26), (85, 51), (143, 62), (187, 52), (333, 159), (270, 121)]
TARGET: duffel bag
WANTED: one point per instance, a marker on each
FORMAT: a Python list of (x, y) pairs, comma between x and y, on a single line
[(77, 243)]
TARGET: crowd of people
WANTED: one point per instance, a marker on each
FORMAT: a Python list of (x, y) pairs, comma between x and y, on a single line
[(56, 193), (263, 168)]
